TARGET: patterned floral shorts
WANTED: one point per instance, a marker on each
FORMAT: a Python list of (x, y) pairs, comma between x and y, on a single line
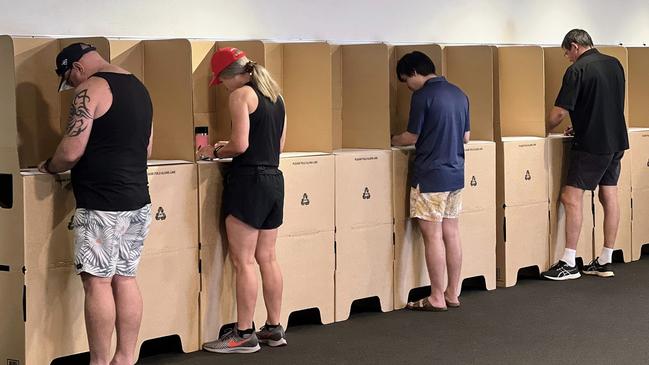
[(435, 207), (109, 243)]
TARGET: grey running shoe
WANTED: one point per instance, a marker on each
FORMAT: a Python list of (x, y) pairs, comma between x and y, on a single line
[(272, 337), (562, 271), (232, 343), (595, 268)]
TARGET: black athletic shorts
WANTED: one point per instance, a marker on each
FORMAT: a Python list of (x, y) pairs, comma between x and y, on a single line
[(255, 196), (587, 170)]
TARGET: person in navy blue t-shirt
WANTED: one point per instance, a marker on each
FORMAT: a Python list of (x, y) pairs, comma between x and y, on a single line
[(438, 126)]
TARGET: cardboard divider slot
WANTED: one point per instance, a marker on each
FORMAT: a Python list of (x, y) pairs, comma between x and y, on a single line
[(6, 191), (5, 268)]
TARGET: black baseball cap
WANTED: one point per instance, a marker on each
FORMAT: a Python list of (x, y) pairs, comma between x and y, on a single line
[(67, 57)]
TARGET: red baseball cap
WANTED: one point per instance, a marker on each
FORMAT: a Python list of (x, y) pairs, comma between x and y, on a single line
[(223, 58)]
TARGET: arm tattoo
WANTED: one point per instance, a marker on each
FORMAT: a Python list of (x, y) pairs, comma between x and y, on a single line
[(77, 121)]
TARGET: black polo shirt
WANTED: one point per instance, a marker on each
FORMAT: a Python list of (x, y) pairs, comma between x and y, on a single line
[(593, 93)]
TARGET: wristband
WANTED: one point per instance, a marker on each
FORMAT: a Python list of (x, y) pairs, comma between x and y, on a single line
[(216, 150), (46, 166)]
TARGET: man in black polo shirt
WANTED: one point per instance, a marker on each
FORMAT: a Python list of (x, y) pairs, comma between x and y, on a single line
[(438, 126), (593, 94)]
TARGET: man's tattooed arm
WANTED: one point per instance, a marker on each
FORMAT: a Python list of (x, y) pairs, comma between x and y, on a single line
[(79, 114)]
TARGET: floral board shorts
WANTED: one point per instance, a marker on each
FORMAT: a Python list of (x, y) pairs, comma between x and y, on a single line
[(109, 243), (435, 207)]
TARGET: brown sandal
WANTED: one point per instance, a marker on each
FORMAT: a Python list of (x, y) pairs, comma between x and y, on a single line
[(424, 305), (452, 305)]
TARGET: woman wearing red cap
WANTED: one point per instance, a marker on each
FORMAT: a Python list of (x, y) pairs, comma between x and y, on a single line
[(253, 196)]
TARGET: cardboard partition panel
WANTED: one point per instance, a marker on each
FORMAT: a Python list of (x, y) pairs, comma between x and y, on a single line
[(165, 68), (307, 263), (402, 159), (204, 95), (210, 200), (434, 51), (555, 64), (522, 233), (624, 237), (410, 269), (313, 94), (8, 131), (478, 237), (479, 176), (638, 86), (558, 230), (174, 207), (369, 100), (474, 69), (218, 303), (170, 296), (363, 188), (557, 147), (308, 193), (12, 284), (364, 267), (521, 96), (522, 178), (267, 54), (639, 222), (639, 155)]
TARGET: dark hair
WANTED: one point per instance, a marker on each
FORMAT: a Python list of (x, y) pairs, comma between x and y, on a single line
[(579, 36), (414, 62)]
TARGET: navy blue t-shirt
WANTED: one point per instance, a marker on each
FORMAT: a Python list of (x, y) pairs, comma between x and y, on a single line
[(439, 115)]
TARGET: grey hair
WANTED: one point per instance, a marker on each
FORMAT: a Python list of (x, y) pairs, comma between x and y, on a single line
[(578, 36)]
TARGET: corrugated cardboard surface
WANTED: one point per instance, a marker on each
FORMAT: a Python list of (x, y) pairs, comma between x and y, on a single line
[(522, 177), (129, 55), (478, 237), (368, 100), (210, 194), (474, 69), (308, 194), (363, 188), (49, 207), (402, 159), (307, 263), (174, 207), (170, 296), (8, 130), (479, 176), (556, 64), (217, 298), (522, 233), (410, 269), (638, 86), (639, 222), (12, 342), (639, 158), (313, 96), (364, 267), (521, 94), (623, 239), (173, 134), (434, 51)]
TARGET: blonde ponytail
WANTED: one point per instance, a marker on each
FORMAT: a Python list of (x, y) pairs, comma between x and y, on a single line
[(264, 82)]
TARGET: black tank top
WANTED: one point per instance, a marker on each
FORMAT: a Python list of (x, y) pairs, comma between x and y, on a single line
[(111, 175), (266, 127)]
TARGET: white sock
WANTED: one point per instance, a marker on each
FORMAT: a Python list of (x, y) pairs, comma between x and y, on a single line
[(606, 257), (569, 256)]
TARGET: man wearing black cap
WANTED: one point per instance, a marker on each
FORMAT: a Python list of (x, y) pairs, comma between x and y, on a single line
[(106, 144)]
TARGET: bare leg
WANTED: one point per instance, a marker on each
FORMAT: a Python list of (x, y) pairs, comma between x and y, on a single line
[(435, 260), (572, 199), (608, 198), (271, 275), (128, 302), (452, 243), (99, 308), (242, 244)]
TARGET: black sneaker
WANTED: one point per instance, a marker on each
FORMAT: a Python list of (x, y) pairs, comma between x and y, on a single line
[(561, 271), (595, 268), (272, 337)]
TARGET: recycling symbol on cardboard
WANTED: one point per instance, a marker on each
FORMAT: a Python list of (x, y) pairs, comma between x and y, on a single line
[(528, 176), (305, 200), (160, 215), (366, 193), (71, 224), (474, 182)]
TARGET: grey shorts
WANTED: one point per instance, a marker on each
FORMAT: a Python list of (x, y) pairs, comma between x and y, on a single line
[(109, 243)]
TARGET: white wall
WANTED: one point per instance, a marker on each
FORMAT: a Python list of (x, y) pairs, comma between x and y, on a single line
[(459, 21)]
